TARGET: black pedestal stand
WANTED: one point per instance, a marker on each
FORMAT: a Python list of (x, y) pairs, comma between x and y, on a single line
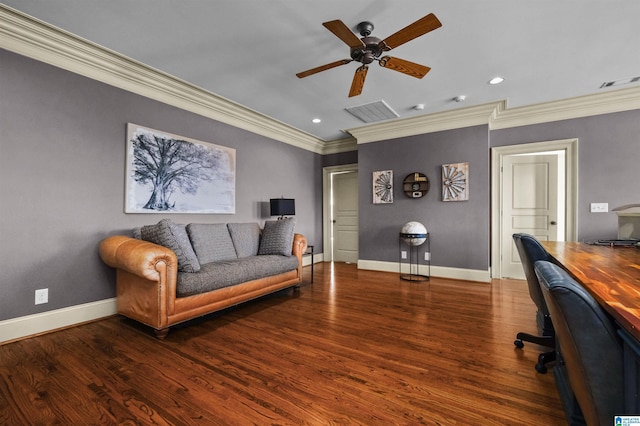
[(414, 257)]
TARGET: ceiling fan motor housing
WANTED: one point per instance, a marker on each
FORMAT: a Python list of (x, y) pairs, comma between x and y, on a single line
[(369, 53)]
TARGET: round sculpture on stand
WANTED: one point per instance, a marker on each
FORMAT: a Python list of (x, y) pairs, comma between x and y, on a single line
[(414, 234), (417, 233)]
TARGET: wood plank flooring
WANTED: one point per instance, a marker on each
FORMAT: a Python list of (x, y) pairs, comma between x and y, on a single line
[(354, 348)]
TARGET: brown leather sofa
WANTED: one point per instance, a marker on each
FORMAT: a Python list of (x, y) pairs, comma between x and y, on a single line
[(147, 283)]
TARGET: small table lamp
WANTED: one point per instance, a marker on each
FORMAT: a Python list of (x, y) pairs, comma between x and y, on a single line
[(283, 207)]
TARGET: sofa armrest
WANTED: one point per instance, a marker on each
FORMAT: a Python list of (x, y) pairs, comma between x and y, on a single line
[(146, 277), (299, 245), (138, 257)]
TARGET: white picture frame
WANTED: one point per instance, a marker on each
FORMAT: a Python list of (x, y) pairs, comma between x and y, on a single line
[(383, 187), (167, 173), (455, 182)]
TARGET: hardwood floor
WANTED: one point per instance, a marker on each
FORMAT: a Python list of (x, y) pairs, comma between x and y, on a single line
[(355, 347)]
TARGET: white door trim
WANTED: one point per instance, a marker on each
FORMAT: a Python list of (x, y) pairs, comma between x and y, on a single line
[(326, 206), (570, 146)]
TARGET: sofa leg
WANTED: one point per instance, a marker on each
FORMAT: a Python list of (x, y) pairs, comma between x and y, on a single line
[(161, 334)]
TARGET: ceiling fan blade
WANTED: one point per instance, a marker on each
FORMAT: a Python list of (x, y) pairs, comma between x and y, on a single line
[(325, 67), (404, 66), (343, 32), (408, 33), (358, 81)]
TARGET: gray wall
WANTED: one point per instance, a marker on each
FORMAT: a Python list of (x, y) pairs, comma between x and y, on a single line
[(608, 161), (62, 159), (459, 231)]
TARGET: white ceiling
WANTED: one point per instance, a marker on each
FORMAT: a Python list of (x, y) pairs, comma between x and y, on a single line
[(249, 51)]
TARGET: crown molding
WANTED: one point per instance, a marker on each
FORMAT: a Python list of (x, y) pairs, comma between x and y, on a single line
[(607, 102), (340, 145), (446, 120), (28, 36), (498, 116)]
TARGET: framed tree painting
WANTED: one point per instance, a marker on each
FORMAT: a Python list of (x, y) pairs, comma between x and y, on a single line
[(455, 182), (383, 187), (167, 173)]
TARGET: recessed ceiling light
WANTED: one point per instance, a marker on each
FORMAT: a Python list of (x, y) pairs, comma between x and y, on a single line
[(316, 121), (496, 80)]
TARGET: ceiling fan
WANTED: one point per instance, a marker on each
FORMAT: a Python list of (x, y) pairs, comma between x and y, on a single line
[(369, 48)]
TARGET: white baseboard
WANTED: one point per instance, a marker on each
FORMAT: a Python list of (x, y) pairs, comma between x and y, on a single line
[(317, 258), (21, 327), (17, 328), (436, 271)]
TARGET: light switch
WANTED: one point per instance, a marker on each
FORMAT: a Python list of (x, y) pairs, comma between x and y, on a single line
[(599, 207)]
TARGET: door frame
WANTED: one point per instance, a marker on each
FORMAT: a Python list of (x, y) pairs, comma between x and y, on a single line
[(570, 146), (327, 241)]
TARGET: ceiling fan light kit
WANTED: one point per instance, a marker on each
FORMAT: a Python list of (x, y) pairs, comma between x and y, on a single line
[(368, 49)]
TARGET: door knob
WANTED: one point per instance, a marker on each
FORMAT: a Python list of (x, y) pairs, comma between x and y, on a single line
[(553, 222)]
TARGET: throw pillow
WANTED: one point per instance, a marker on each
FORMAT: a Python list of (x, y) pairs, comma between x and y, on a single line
[(277, 237), (136, 233), (174, 237)]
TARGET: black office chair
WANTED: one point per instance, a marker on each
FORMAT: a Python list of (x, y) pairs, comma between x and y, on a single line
[(589, 347), (530, 252)]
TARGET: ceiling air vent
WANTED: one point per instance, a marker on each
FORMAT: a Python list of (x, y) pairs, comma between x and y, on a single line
[(620, 82), (374, 111)]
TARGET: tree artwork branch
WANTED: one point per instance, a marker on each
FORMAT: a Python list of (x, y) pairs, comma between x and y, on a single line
[(168, 165)]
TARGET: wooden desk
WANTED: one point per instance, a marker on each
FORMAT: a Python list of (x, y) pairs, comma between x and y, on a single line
[(610, 274)]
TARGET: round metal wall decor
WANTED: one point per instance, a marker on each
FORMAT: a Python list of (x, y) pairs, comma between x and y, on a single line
[(416, 185)]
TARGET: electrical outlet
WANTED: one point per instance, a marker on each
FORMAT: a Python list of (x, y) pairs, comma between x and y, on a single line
[(42, 296), (427, 255), (403, 254), (599, 207)]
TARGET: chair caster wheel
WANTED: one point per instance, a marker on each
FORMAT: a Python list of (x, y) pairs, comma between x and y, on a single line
[(518, 343), (541, 368)]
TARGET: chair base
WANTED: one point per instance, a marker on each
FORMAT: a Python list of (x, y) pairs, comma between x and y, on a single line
[(548, 341), (545, 357)]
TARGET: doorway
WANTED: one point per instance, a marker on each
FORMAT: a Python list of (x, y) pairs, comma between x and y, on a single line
[(534, 190), (340, 218)]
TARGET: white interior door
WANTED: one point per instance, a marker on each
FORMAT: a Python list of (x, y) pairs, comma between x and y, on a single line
[(344, 215), (529, 204)]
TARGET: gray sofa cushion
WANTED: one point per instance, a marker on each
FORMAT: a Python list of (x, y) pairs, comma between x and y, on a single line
[(213, 276), (211, 242), (277, 237), (245, 237), (174, 237)]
